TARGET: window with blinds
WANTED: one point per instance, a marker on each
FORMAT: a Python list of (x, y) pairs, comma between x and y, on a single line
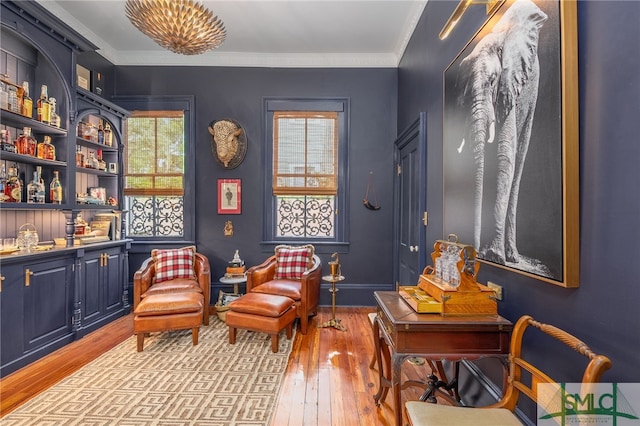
[(155, 174), (305, 184), (155, 157), (305, 153)]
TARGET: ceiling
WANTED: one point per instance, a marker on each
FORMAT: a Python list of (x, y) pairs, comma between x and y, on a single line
[(261, 33)]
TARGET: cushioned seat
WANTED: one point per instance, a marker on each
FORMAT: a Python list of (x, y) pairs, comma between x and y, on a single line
[(265, 313), (288, 288), (167, 312), (439, 414), (173, 286)]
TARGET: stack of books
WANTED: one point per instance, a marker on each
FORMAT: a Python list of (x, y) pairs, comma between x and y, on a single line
[(235, 267)]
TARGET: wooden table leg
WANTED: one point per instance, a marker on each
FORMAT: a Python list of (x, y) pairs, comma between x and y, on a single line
[(396, 371), (381, 350)]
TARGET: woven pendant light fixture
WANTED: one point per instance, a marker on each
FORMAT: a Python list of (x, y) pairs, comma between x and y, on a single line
[(182, 26)]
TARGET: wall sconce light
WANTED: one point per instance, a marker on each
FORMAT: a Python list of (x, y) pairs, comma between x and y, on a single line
[(459, 11)]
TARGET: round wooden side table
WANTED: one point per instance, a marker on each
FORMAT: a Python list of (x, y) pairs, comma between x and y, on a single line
[(235, 281)]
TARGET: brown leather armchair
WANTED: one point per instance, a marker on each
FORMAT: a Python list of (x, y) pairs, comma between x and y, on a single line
[(305, 292), (144, 285)]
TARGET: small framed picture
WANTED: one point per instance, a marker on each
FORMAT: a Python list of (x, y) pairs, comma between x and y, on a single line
[(113, 167), (83, 77), (229, 196)]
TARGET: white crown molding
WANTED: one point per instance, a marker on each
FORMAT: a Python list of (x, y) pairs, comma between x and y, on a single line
[(233, 59), (416, 15)]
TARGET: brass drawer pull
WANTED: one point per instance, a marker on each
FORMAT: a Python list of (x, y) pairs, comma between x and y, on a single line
[(27, 277)]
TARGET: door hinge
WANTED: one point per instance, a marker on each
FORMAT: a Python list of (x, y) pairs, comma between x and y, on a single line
[(399, 167), (425, 218)]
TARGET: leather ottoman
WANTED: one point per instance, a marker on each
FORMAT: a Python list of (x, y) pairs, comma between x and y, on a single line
[(265, 313), (167, 312)]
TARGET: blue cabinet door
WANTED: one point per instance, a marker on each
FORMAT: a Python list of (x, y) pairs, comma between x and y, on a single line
[(102, 287), (48, 302), (11, 314)]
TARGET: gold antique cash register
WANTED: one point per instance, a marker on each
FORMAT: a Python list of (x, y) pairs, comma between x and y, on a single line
[(449, 286)]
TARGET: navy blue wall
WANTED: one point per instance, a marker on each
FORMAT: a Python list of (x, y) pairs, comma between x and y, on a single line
[(603, 311), (238, 93)]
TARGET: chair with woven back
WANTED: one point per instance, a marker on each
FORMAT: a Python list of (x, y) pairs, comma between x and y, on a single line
[(523, 380)]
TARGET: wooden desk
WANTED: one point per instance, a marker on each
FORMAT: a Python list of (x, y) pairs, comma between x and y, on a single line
[(432, 336)]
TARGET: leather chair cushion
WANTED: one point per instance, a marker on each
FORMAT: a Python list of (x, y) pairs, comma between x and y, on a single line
[(173, 286), (425, 413), (288, 288), (169, 303), (265, 305)]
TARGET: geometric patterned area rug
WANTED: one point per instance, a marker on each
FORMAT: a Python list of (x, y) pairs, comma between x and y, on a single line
[(171, 382)]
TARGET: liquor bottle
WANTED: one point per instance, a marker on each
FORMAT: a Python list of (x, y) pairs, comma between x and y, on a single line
[(13, 99), (26, 144), (55, 189), (46, 149), (102, 165), (13, 187), (55, 118), (100, 133), (27, 102), (79, 156), (80, 225), (108, 135), (6, 144), (32, 189), (4, 95), (86, 131), (40, 194), (19, 96), (3, 182), (43, 188), (44, 108), (35, 190)]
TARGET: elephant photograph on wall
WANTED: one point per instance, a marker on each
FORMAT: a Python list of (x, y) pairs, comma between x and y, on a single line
[(510, 142)]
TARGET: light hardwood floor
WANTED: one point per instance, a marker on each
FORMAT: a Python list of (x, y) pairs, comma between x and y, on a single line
[(328, 380)]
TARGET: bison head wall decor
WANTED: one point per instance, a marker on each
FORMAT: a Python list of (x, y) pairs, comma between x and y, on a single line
[(229, 144)]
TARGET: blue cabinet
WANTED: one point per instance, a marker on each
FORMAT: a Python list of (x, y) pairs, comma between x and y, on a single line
[(36, 301), (103, 296), (50, 299)]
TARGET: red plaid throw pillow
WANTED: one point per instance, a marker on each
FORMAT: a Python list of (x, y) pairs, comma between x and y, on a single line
[(292, 262), (174, 263)]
